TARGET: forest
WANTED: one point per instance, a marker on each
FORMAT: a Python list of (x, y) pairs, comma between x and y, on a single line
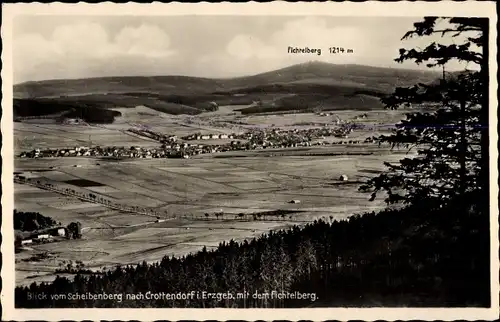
[(31, 221), (59, 109), (373, 259)]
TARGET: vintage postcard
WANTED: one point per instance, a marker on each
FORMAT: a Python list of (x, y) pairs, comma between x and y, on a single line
[(255, 161)]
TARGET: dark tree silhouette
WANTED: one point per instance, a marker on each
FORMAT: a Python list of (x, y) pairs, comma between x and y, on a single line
[(31, 221), (451, 142), (74, 230), (405, 257)]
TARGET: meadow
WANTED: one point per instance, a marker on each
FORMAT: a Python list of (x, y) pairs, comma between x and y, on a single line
[(240, 186), (186, 190)]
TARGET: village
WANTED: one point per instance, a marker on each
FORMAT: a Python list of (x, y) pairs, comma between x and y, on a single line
[(172, 147), (47, 235)]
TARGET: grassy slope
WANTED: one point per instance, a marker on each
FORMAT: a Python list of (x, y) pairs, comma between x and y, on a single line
[(317, 85)]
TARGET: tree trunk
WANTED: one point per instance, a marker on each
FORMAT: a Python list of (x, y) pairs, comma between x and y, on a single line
[(463, 148), (484, 118)]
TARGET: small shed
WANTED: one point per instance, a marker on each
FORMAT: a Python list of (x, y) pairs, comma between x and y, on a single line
[(295, 201), (343, 178), (61, 232)]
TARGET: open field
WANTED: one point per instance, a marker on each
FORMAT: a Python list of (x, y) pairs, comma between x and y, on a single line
[(45, 136), (29, 136), (238, 184), (186, 189)]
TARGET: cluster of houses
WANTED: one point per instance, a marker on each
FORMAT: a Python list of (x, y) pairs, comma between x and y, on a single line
[(172, 148), (216, 136), (47, 235), (255, 140), (163, 138), (167, 150), (75, 151), (292, 138), (276, 134)]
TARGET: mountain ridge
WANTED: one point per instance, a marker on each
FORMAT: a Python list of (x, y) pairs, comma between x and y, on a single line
[(288, 73), (302, 87)]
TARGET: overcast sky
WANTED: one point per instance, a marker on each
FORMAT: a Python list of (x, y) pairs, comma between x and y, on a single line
[(54, 47)]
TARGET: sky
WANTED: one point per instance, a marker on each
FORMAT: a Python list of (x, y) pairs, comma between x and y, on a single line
[(60, 47)]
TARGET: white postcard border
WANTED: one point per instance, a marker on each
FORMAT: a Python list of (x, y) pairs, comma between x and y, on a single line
[(368, 9)]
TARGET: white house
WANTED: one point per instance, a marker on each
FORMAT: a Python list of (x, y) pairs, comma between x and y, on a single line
[(61, 232), (343, 178)]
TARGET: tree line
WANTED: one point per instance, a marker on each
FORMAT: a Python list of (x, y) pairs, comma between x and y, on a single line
[(412, 257), (60, 110), (32, 221)]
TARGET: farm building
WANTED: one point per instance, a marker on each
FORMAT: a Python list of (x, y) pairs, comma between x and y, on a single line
[(205, 137), (295, 201), (223, 136), (213, 106), (73, 121), (43, 236), (343, 178), (27, 242), (57, 232)]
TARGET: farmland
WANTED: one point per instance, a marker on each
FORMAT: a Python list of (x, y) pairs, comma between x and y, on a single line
[(187, 189), (203, 200)]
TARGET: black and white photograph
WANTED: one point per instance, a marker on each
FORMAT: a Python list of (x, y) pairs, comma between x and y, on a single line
[(302, 159)]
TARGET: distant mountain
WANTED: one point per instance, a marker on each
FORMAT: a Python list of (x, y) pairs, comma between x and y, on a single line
[(342, 75), (321, 85)]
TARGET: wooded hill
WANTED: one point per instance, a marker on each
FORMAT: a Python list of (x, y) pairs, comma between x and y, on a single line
[(313, 85)]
